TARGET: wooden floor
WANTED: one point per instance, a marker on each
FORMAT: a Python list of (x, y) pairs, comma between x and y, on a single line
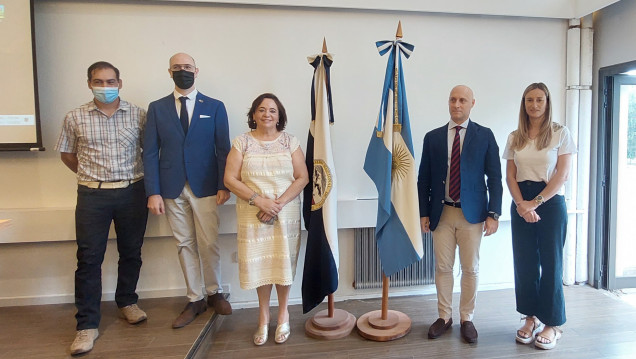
[(600, 325), (47, 331)]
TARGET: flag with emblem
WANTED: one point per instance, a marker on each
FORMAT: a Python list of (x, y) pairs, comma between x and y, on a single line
[(391, 165), (320, 275)]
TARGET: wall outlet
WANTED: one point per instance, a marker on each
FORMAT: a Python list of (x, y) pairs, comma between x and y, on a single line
[(234, 257)]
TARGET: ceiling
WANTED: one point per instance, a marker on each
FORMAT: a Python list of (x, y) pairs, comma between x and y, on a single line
[(558, 9)]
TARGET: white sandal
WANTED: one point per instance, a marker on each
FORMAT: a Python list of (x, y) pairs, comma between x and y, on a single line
[(536, 328), (552, 342)]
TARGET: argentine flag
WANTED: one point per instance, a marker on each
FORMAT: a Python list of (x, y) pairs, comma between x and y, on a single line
[(391, 165)]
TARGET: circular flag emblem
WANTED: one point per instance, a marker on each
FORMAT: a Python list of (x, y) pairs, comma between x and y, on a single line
[(321, 184)]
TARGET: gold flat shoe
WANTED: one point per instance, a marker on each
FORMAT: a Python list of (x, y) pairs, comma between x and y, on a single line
[(260, 337), (282, 333)]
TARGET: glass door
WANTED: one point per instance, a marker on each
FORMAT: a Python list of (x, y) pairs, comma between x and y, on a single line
[(622, 233)]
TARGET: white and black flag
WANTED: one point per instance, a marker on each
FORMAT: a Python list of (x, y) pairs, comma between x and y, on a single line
[(320, 275)]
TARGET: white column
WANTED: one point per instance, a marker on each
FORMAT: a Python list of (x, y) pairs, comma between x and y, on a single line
[(584, 149), (571, 121)]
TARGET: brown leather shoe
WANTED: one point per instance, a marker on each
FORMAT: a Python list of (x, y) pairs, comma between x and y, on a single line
[(189, 313), (439, 327), (220, 305), (469, 333)]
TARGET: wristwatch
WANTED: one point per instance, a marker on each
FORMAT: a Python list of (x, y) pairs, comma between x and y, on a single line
[(251, 200), (493, 215), (539, 199)]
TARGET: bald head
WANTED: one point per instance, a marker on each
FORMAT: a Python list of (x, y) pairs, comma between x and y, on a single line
[(182, 58), (464, 90), (460, 102)]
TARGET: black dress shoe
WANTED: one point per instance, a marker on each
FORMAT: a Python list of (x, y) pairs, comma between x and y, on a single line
[(439, 327), (469, 333), (189, 313)]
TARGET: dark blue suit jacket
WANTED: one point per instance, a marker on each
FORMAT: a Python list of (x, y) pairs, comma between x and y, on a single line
[(481, 188), (171, 158)]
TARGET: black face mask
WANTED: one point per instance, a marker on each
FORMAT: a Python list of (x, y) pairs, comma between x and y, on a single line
[(183, 79)]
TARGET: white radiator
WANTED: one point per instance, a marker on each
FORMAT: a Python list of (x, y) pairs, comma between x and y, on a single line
[(368, 273)]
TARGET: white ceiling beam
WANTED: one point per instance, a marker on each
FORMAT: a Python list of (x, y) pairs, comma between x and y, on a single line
[(559, 9)]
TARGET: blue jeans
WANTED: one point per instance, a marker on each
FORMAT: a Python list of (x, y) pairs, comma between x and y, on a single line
[(96, 209), (538, 257)]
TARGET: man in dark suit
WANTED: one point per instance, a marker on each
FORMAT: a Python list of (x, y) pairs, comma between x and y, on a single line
[(186, 143), (459, 187)]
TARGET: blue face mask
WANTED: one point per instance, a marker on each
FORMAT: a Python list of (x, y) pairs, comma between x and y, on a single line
[(106, 94)]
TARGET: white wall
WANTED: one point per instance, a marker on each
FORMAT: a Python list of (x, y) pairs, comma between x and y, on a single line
[(614, 39), (245, 50)]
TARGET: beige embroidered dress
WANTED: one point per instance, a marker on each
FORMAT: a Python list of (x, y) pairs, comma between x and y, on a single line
[(267, 254)]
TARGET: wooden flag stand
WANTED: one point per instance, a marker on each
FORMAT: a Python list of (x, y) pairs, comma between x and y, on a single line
[(330, 323), (384, 325)]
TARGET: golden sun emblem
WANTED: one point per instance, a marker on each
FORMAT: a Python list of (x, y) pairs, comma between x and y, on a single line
[(400, 163)]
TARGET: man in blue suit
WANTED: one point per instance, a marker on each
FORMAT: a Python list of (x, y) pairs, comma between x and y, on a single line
[(459, 187), (186, 143)]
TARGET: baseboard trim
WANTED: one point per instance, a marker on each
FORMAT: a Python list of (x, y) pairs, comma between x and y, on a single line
[(70, 298), (179, 292)]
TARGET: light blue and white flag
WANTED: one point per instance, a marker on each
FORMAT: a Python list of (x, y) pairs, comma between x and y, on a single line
[(391, 165)]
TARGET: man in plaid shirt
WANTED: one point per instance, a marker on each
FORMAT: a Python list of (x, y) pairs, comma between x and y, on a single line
[(101, 142)]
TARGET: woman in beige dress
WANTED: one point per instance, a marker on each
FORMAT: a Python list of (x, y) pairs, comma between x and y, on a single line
[(266, 171)]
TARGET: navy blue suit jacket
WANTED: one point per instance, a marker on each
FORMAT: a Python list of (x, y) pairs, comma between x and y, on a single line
[(481, 187), (171, 158)]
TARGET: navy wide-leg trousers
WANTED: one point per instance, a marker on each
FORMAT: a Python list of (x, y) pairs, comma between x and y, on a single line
[(538, 257)]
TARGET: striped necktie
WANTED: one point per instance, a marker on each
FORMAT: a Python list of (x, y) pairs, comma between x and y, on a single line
[(455, 176)]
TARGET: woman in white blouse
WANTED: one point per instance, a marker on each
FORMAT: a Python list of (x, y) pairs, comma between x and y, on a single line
[(539, 156)]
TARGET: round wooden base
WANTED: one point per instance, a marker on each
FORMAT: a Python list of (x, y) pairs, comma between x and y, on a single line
[(321, 326), (373, 327)]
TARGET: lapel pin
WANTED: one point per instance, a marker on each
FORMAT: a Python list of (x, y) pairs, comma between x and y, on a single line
[(200, 100)]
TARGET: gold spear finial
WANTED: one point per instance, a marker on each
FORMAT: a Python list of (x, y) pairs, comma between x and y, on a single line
[(324, 45), (397, 126)]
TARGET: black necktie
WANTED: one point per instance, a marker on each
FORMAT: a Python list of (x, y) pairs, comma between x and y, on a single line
[(183, 114)]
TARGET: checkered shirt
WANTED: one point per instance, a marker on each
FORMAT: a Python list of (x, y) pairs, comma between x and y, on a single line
[(108, 148)]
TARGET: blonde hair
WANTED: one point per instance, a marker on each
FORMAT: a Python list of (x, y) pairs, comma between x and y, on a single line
[(521, 136)]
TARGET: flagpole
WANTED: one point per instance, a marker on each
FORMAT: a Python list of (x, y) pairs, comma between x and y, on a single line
[(331, 323), (385, 297), (385, 279), (384, 325)]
